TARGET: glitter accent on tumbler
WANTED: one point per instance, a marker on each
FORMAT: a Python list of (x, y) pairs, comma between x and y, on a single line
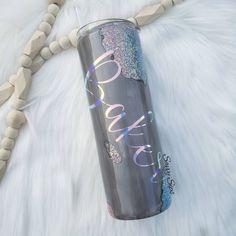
[(112, 152), (124, 40), (166, 197)]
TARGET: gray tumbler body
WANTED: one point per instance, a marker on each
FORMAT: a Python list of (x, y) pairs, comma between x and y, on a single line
[(130, 154)]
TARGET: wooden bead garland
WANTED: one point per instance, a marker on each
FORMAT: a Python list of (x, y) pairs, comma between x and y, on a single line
[(30, 62), (33, 57)]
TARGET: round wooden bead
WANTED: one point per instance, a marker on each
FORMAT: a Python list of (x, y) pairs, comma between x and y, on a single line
[(64, 42), (15, 119), (58, 2), (167, 3), (37, 63), (7, 143), (53, 9), (73, 37), (4, 155), (12, 79), (46, 53), (3, 167), (18, 104), (55, 47), (25, 61), (11, 132), (45, 27), (50, 18)]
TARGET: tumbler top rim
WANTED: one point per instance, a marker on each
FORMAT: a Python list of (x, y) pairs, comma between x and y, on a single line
[(92, 26)]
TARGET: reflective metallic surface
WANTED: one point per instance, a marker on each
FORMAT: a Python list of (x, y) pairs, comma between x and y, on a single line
[(130, 154)]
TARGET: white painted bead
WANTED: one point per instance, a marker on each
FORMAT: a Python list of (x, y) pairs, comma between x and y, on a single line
[(53, 9), (12, 79), (37, 63), (50, 18), (46, 53), (3, 167), (15, 119), (4, 155), (25, 61), (45, 27), (11, 132), (7, 143), (58, 2), (55, 47), (64, 42), (73, 37), (18, 104)]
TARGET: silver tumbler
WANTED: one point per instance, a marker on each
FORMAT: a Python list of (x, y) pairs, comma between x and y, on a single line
[(130, 155)]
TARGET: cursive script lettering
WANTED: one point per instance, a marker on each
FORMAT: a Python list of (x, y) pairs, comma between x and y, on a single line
[(116, 112)]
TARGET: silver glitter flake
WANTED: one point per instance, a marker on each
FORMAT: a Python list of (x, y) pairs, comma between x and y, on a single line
[(113, 153)]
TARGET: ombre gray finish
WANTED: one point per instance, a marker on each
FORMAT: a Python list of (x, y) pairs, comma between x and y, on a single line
[(121, 110)]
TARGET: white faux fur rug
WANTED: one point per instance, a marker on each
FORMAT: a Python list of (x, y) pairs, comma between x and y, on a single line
[(53, 185)]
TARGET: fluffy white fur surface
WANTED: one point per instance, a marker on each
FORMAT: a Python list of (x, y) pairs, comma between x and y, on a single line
[(53, 185)]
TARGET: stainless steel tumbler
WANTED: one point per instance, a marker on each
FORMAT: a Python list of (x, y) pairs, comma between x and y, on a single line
[(130, 155)]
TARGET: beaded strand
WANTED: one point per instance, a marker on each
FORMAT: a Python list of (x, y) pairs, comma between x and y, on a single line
[(31, 60)]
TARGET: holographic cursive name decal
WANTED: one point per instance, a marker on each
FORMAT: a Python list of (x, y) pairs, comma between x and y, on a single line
[(119, 110)]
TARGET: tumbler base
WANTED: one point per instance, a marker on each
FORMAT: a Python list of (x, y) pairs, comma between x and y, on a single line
[(134, 217)]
